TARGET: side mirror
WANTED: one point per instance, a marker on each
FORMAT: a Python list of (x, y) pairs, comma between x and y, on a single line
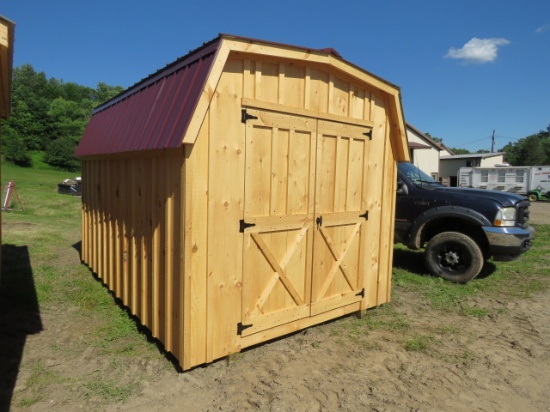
[(402, 188)]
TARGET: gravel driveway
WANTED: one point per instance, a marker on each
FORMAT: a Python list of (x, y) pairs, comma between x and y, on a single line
[(540, 212)]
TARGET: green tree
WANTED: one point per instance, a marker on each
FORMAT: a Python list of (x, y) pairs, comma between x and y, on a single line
[(60, 153), (459, 151), (14, 148), (435, 139), (511, 154), (545, 143), (45, 111), (105, 92), (31, 94), (23, 122), (530, 150), (67, 118)]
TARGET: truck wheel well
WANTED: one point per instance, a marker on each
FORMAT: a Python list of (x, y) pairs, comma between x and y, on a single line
[(434, 227)]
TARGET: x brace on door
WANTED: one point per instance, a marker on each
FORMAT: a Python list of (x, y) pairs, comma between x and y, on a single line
[(338, 259), (279, 270)]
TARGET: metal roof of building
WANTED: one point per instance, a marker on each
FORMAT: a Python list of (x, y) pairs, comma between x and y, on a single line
[(472, 156), (155, 112), (158, 112)]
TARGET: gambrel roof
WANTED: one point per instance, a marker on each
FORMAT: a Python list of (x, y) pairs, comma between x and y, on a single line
[(166, 109)]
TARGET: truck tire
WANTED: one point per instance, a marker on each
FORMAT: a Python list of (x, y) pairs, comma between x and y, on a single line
[(453, 256)]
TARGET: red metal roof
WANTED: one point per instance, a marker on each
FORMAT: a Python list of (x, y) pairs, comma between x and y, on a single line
[(154, 113)]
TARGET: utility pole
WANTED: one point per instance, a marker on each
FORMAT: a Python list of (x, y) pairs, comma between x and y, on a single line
[(493, 142)]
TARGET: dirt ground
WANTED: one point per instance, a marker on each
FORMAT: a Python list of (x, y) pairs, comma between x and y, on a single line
[(499, 362), (540, 212)]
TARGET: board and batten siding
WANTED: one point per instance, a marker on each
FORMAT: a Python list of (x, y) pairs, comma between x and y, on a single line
[(132, 236), (161, 228)]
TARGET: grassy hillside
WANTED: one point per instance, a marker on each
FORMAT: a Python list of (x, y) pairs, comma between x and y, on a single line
[(37, 190)]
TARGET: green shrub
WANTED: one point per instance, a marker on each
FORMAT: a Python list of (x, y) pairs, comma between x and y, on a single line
[(15, 151), (60, 153)]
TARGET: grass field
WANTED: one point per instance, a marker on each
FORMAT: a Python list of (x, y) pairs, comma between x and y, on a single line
[(42, 276), (42, 273)]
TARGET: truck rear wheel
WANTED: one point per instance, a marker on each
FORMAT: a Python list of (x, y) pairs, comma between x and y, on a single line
[(454, 256)]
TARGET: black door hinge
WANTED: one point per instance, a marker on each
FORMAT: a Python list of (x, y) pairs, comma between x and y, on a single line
[(245, 116), (368, 134), (365, 215), (243, 225), (241, 327), (362, 293)]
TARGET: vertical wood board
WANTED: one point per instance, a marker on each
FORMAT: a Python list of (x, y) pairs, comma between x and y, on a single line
[(225, 209)]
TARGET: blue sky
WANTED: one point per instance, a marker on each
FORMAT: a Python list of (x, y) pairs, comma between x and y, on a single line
[(465, 68)]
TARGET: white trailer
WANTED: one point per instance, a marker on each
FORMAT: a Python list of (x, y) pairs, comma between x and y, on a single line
[(530, 181)]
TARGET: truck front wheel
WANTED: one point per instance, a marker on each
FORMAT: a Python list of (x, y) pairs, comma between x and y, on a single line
[(453, 256)]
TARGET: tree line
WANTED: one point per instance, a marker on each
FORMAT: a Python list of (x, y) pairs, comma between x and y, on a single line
[(48, 116), (529, 151)]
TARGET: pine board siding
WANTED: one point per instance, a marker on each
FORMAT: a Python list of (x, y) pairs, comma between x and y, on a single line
[(272, 212)]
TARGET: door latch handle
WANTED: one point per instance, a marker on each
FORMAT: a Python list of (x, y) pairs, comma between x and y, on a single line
[(319, 221)]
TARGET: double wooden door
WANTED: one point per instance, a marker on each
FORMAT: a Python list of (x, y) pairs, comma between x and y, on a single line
[(304, 217)]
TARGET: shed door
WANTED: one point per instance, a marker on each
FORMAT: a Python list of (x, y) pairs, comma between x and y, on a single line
[(305, 197), (340, 214), (279, 189)]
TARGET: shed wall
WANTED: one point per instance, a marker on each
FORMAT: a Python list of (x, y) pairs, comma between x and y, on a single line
[(132, 236), (215, 199)]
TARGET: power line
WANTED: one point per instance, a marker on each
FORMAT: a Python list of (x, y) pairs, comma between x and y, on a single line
[(506, 138), (475, 141)]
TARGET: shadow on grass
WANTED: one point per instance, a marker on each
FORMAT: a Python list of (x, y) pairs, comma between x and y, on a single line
[(413, 261), (410, 260), (19, 316), (78, 247)]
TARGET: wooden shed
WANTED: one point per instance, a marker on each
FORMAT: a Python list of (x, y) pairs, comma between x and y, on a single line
[(243, 192), (7, 38)]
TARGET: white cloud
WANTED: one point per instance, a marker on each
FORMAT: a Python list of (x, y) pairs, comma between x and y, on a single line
[(477, 50), (543, 29)]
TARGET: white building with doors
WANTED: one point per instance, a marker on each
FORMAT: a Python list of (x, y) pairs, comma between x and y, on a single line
[(450, 165)]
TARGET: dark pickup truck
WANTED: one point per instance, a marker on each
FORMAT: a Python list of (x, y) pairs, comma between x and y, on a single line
[(459, 228)]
